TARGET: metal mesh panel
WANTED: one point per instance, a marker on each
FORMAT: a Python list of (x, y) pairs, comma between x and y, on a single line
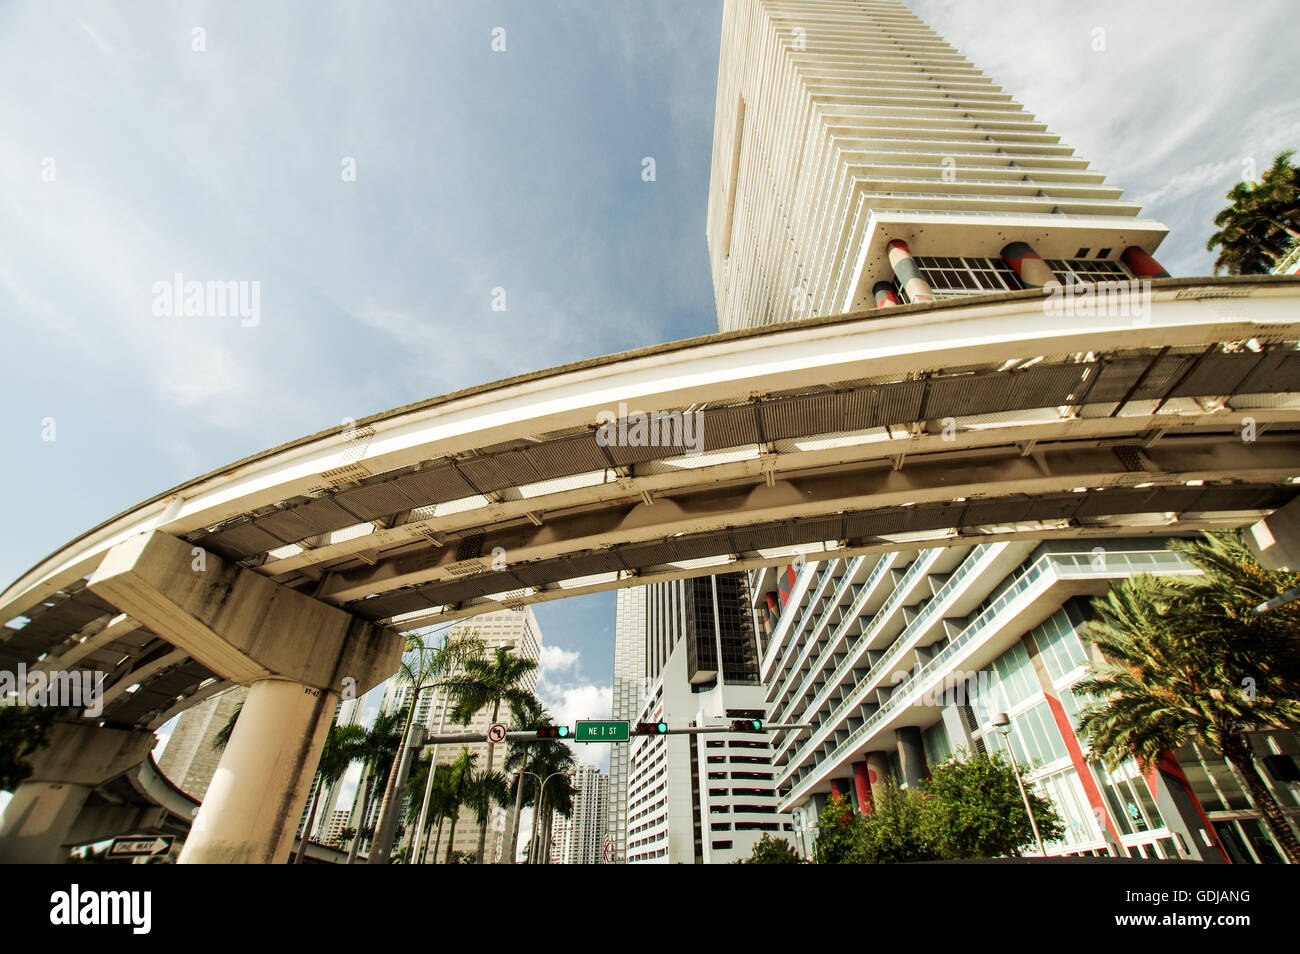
[(498, 471), (801, 416), (729, 426), (895, 403), (568, 455)]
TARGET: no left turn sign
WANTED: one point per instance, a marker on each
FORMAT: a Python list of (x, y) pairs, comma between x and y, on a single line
[(497, 732)]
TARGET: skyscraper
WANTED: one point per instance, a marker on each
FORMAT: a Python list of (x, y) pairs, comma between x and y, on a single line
[(859, 160), (704, 798), (580, 838), (629, 684)]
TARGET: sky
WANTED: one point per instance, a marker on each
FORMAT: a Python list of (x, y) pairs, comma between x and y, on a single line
[(383, 172)]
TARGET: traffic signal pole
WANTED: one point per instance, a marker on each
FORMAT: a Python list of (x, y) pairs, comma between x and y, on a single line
[(530, 735)]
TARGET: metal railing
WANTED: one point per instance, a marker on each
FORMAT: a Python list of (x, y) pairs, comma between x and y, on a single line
[(1056, 565)]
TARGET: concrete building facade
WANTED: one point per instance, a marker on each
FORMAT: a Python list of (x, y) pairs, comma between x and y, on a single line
[(580, 838), (901, 660), (860, 161), (189, 758), (702, 799), (627, 694)]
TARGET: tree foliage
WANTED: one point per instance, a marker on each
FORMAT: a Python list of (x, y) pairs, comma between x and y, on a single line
[(1261, 224), (976, 810), (23, 730), (771, 851), (1190, 660), (970, 808)]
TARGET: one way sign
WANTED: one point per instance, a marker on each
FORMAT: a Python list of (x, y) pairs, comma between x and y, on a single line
[(142, 847)]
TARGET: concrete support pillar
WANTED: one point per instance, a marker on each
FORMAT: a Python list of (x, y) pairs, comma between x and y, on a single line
[(251, 811), (1028, 266), (886, 294), (906, 272), (76, 758), (1182, 813), (298, 654), (911, 756), (877, 775), (862, 783), (1141, 264)]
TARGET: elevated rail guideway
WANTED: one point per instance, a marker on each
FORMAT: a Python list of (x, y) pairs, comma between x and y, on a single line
[(1012, 415)]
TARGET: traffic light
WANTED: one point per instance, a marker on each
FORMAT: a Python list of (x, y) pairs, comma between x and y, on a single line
[(650, 728), (747, 725), (553, 732)]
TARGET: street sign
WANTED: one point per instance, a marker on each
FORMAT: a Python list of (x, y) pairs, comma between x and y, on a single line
[(140, 847), (497, 732), (601, 732)]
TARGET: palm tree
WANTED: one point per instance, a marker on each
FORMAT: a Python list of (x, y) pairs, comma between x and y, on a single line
[(222, 738), (422, 664), (342, 748), (487, 682), (1262, 223), (457, 789), (483, 790), (1191, 660), (378, 750), (525, 713), (552, 762), (442, 804)]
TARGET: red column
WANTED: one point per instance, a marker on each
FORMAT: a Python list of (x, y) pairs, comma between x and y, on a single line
[(885, 294), (1143, 265), (907, 273), (1028, 266), (862, 783), (1081, 768)]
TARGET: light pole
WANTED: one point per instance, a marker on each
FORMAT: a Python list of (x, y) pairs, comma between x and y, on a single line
[(1003, 724), (519, 800), (537, 815), (428, 789)]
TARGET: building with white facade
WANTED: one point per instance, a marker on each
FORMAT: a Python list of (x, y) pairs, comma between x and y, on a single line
[(901, 659), (703, 799), (628, 691), (859, 160), (580, 838)]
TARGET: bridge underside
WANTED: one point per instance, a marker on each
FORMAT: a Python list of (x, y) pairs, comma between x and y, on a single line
[(974, 419), (971, 419)]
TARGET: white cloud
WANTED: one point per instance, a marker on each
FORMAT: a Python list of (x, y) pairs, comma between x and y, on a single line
[(568, 705), (557, 660)]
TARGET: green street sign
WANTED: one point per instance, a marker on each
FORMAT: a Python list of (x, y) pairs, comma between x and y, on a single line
[(601, 732)]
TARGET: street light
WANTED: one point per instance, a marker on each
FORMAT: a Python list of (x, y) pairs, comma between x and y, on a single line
[(536, 839), (519, 800), (1003, 724)]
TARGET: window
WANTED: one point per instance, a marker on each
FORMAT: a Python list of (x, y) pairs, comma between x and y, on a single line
[(1060, 646), (1078, 272), (953, 277)]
